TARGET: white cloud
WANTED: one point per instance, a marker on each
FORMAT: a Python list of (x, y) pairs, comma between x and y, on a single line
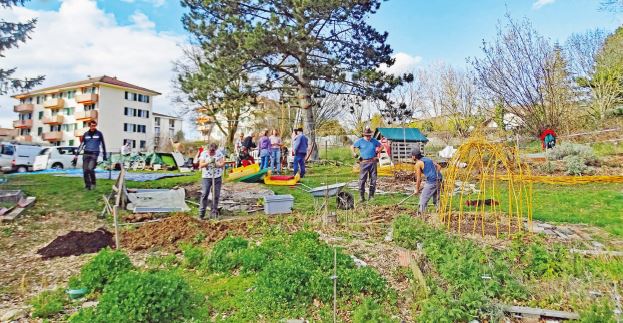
[(80, 39), (141, 21), (155, 3), (404, 63), (538, 4)]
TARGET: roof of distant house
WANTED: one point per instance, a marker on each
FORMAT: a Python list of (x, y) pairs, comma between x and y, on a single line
[(156, 114), (105, 79)]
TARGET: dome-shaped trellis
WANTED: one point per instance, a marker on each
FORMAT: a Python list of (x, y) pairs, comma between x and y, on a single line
[(474, 195)]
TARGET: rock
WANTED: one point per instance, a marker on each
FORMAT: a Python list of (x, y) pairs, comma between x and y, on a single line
[(89, 304), (13, 314), (597, 245), (390, 234), (358, 262)]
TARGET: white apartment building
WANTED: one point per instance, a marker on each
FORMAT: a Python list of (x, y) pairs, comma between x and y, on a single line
[(59, 115), (165, 129)]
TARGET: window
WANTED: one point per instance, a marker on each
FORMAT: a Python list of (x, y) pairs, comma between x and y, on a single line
[(55, 128), (69, 111), (54, 112), (147, 114), (24, 132), (71, 143), (171, 123), (140, 98), (38, 99), (157, 120), (127, 95), (142, 144), (40, 116), (157, 131), (39, 131), (22, 101), (134, 96), (30, 99), (126, 110), (85, 124), (71, 94), (147, 99), (135, 112), (53, 95), (8, 149), (88, 107), (69, 127), (125, 127), (61, 95)]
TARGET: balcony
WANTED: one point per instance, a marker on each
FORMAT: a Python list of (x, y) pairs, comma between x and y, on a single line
[(80, 132), (57, 103), (25, 138), (20, 124), (86, 115), (57, 119), (24, 108), (53, 136), (86, 98)]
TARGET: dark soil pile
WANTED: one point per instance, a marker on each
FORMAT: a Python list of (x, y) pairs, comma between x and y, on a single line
[(180, 228), (76, 243)]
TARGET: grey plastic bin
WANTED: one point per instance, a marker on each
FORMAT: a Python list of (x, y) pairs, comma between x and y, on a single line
[(278, 204)]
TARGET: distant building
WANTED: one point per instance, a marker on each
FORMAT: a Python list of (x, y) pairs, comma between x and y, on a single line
[(7, 134), (511, 122), (59, 115), (165, 129)]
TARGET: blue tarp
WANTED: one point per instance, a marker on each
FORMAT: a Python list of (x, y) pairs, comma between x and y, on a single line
[(104, 174), (401, 134)]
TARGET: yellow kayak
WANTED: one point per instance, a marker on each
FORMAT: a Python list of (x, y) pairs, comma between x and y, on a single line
[(243, 171), (281, 180)]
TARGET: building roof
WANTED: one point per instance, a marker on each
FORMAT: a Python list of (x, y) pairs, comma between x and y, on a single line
[(401, 134), (106, 80), (156, 114)]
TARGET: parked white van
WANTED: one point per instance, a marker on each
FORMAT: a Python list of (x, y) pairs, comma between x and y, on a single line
[(60, 157), (18, 157)]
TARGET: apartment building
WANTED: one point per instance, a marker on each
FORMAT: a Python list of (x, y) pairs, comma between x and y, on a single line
[(59, 115), (165, 128)]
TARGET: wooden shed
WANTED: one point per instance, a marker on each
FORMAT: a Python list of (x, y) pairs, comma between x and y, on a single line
[(399, 142)]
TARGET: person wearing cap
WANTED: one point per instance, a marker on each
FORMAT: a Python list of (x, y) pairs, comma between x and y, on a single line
[(432, 185), (299, 149), (211, 163), (368, 149)]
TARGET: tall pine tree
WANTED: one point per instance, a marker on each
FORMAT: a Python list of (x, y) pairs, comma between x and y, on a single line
[(312, 44), (11, 35)]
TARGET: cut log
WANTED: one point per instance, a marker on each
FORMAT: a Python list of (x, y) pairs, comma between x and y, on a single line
[(541, 312)]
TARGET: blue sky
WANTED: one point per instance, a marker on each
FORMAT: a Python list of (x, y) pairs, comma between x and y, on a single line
[(439, 30)]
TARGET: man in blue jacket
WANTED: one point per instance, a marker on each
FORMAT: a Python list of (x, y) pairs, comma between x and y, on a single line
[(299, 148), (368, 150), (91, 142)]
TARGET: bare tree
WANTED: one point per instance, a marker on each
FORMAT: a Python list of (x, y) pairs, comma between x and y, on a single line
[(529, 74), (582, 51)]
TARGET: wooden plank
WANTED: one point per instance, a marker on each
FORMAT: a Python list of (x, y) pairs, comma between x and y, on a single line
[(26, 202), (14, 214), (540, 312)]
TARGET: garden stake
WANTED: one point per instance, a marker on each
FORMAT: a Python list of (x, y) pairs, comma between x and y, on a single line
[(334, 285)]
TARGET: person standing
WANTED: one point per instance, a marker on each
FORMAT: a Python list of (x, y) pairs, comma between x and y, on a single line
[(211, 163), (249, 143), (238, 144), (368, 149), (264, 146), (275, 152), (432, 185), (92, 140), (299, 149)]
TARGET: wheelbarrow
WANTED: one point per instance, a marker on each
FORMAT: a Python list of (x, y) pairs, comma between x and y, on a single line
[(345, 200)]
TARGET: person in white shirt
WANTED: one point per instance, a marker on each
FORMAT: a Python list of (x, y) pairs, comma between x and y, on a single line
[(211, 163)]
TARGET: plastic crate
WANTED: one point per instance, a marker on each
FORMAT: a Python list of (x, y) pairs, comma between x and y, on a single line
[(278, 204)]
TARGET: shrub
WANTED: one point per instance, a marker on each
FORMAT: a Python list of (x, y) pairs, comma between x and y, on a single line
[(104, 268), (575, 165), (48, 303), (285, 280), (364, 280), (145, 297), (225, 254), (193, 256), (370, 312), (548, 167), (569, 149)]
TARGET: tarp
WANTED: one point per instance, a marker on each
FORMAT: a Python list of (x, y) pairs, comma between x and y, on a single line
[(157, 201), (401, 134)]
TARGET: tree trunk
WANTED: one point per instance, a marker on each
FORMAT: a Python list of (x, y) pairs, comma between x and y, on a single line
[(304, 96)]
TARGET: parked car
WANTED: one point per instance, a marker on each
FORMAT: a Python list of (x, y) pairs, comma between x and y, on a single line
[(60, 157), (18, 157)]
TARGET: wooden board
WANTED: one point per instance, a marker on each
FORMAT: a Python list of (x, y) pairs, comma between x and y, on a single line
[(540, 312), (26, 202), (14, 214)]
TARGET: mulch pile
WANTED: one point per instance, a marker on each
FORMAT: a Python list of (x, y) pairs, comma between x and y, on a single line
[(180, 228), (77, 243)]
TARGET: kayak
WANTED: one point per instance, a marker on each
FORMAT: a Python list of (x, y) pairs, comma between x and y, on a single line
[(283, 180), (254, 178), (243, 171)]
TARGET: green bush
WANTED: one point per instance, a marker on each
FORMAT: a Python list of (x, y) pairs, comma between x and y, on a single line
[(575, 165), (48, 303), (104, 268), (225, 255), (548, 167), (193, 256), (370, 312), (569, 149), (364, 281), (145, 297), (285, 280)]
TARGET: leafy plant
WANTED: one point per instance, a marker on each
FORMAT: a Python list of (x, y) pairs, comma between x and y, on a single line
[(575, 165), (104, 268), (370, 312), (193, 256), (548, 167), (48, 303), (225, 254), (569, 149), (145, 297)]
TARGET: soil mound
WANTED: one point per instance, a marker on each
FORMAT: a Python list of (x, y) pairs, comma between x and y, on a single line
[(179, 228), (76, 243)]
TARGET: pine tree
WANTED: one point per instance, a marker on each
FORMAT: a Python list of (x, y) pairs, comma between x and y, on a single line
[(11, 35)]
